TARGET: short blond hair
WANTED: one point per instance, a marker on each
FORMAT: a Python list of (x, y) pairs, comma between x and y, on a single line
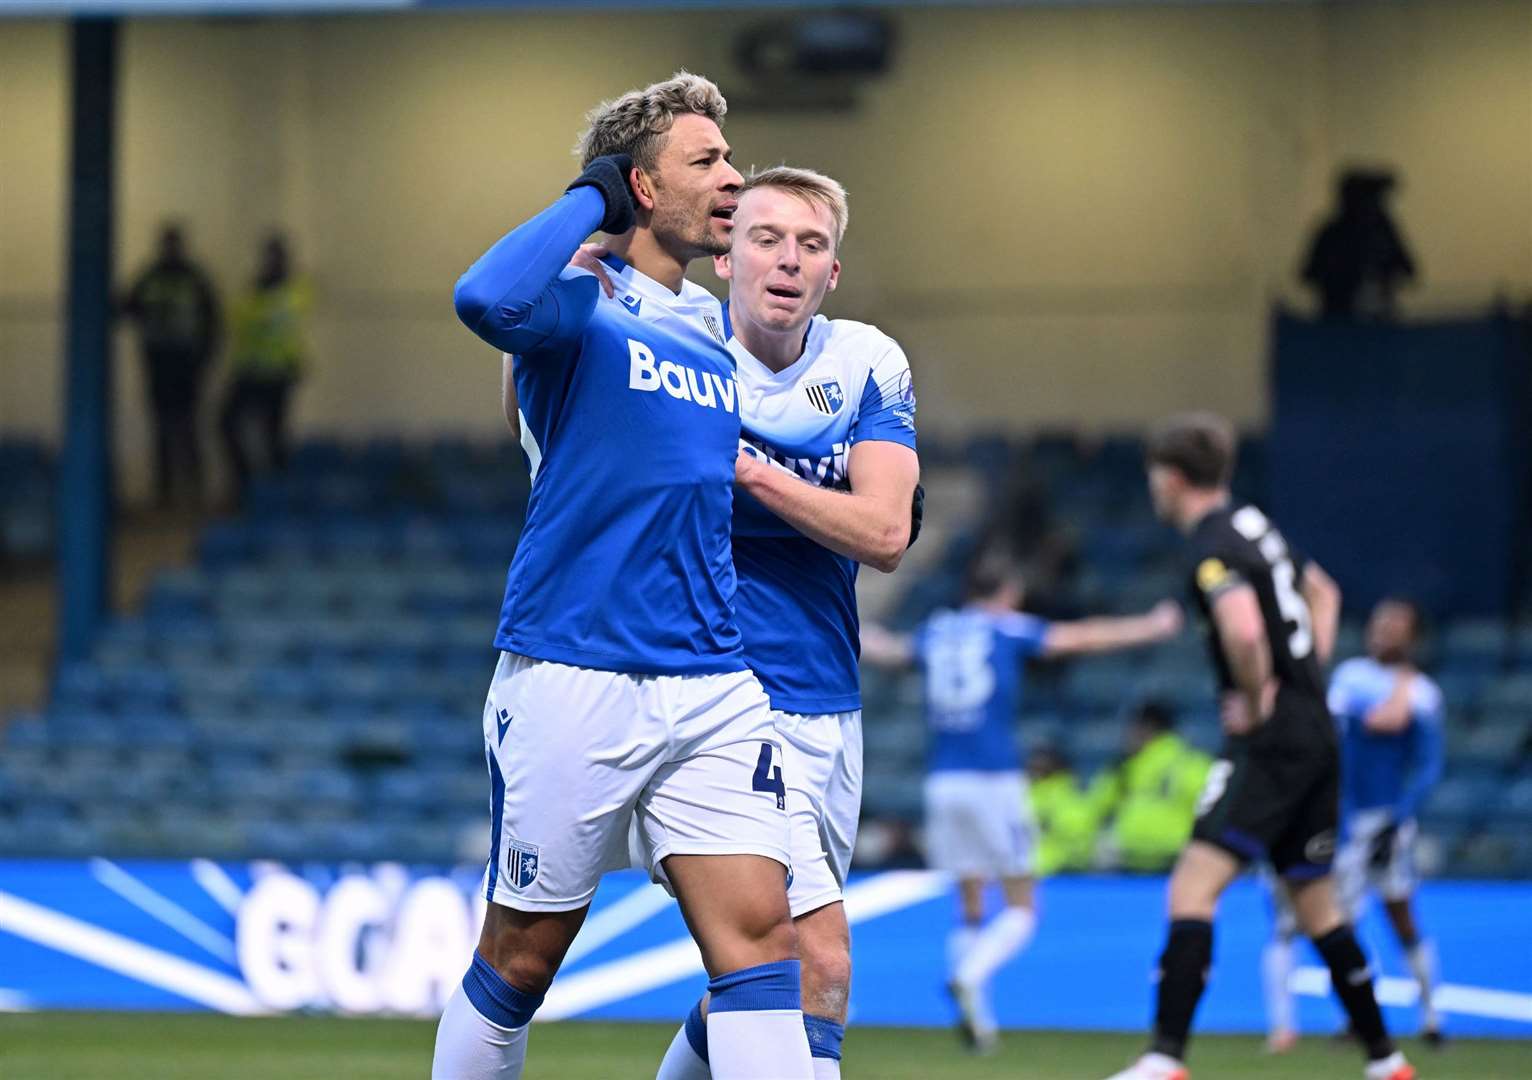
[(637, 122), (814, 188)]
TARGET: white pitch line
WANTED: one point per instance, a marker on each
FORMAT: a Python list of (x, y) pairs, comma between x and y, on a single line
[(126, 957), (165, 910), (1449, 997), (218, 884), (617, 918), (663, 964)]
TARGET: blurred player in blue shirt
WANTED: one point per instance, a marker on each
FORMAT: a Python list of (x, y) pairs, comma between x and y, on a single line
[(622, 693), (1389, 716), (979, 824)]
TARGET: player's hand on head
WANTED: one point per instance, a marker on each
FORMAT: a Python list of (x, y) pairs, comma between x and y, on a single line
[(610, 176), (588, 257)]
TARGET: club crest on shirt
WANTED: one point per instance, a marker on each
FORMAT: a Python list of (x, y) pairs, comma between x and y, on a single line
[(521, 862), (713, 328), (826, 396)]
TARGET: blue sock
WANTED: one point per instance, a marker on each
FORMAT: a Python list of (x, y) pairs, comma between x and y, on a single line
[(825, 1036), (497, 1000), (696, 1031), (765, 986)]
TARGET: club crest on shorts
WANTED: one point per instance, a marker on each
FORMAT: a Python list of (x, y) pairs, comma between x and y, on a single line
[(826, 396), (521, 861)]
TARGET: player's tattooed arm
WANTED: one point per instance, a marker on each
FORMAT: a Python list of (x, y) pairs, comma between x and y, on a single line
[(1324, 599), (886, 649), (870, 523), (1109, 633), (1242, 635)]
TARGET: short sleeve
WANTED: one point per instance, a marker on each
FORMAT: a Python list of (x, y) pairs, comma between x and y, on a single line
[(1027, 633), (886, 412), (920, 639), (1342, 697), (1426, 704)]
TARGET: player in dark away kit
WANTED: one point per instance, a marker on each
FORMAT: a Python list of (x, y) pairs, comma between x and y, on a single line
[(1274, 795)]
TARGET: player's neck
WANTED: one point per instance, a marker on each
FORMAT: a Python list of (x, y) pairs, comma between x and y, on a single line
[(642, 250), (1196, 505), (778, 350)]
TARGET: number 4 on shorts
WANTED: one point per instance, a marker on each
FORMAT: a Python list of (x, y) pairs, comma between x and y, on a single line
[(768, 777)]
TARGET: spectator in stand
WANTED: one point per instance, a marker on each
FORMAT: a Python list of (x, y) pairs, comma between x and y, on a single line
[(175, 308), (1357, 260), (268, 355), (1151, 795), (1066, 819)]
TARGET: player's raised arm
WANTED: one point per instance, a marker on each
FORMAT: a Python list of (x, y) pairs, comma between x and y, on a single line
[(1324, 599), (514, 297), (885, 649), (1109, 633)]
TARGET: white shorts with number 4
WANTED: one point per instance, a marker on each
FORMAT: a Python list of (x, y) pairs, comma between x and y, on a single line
[(979, 824), (822, 767), (577, 756)]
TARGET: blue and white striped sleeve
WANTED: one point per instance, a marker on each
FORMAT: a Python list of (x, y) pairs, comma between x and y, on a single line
[(886, 412)]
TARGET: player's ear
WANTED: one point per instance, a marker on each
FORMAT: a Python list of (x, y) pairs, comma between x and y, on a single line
[(643, 188), (834, 274), (722, 267)]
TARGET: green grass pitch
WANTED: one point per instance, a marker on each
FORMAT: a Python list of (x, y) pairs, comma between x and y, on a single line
[(64, 1046)]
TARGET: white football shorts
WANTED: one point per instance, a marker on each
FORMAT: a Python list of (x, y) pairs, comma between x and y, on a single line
[(980, 824), (823, 753), (822, 757), (576, 756), (1394, 878)]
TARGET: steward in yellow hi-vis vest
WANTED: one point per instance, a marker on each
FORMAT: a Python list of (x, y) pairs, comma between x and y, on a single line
[(1151, 796), (268, 353)]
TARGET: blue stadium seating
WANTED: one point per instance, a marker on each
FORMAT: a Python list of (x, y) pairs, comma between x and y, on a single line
[(312, 685)]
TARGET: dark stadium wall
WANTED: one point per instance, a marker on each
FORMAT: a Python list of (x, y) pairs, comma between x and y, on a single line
[(1065, 215)]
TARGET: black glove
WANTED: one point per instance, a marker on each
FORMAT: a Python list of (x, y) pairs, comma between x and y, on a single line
[(917, 514), (609, 175), (1381, 850)]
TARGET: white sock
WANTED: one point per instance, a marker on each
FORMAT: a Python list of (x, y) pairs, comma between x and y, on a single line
[(959, 941), (758, 1044), (681, 1061), (1276, 971), (826, 1069), (469, 1047), (1422, 960), (1005, 936)]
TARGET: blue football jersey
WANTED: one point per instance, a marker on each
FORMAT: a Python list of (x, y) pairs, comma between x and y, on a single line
[(630, 422), (972, 661), (797, 600), (1385, 770)]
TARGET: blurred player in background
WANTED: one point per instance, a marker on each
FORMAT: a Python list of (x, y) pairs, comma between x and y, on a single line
[(1390, 720), (622, 691), (979, 824), (1271, 617)]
